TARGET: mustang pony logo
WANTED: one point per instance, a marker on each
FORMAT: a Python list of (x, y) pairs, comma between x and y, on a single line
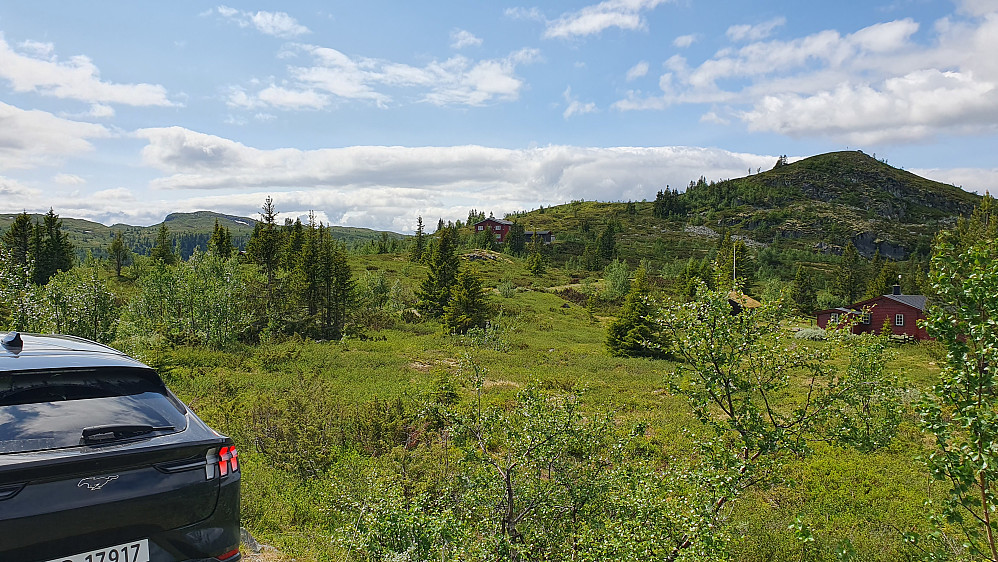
[(96, 482)]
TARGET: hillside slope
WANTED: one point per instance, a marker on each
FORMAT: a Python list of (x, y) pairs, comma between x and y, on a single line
[(188, 230), (818, 204), (833, 199)]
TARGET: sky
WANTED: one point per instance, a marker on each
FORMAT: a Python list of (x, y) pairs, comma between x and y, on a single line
[(374, 113)]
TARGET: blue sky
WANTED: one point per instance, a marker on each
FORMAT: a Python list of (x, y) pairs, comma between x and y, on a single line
[(372, 113)]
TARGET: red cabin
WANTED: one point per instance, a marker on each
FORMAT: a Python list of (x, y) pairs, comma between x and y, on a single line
[(498, 227), (902, 313)]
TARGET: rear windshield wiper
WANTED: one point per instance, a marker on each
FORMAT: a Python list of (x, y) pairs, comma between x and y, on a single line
[(111, 432)]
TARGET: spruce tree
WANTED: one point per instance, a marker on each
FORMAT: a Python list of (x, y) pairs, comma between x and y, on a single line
[(468, 306), (848, 276), (52, 249), (264, 246), (17, 240), (733, 265), (434, 293), (418, 242), (802, 292), (118, 253), (163, 250), (220, 243), (634, 333), (336, 284)]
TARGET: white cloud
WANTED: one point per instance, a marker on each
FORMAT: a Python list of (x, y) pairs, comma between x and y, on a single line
[(978, 7), (276, 24), (713, 117), (334, 75), (100, 111), (68, 179), (32, 138), (461, 38), (684, 41), (876, 85), (386, 187), (38, 70), (38, 49), (637, 71), (16, 197), (755, 32), (531, 14), (575, 107), (283, 98), (979, 180), (591, 20)]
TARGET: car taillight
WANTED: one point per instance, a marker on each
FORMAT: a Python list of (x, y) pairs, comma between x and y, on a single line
[(225, 459), (228, 555)]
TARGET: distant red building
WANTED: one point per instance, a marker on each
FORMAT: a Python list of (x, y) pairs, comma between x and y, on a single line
[(498, 227), (902, 312)]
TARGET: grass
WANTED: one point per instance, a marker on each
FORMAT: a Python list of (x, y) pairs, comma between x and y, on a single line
[(867, 499)]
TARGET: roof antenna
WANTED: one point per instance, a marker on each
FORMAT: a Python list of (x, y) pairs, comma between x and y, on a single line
[(13, 341)]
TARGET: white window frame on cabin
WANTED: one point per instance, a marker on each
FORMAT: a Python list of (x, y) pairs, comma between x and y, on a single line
[(498, 227), (833, 317), (899, 319), (480, 227), (867, 318)]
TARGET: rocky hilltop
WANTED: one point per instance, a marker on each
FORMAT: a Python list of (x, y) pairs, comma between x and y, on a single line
[(832, 199)]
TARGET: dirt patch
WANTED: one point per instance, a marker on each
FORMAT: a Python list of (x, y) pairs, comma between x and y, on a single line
[(499, 382)]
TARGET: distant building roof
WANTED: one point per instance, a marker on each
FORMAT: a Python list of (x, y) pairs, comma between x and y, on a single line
[(743, 300), (499, 221), (539, 232), (914, 301)]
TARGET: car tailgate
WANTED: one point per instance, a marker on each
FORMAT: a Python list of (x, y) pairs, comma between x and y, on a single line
[(53, 502)]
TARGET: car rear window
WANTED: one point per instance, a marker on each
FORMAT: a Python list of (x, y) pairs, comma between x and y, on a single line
[(49, 409)]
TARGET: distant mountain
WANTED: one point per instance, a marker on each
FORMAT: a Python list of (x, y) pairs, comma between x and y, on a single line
[(834, 198), (818, 204), (189, 230)]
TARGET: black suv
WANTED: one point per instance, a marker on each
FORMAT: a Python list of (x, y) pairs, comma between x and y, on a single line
[(100, 462)]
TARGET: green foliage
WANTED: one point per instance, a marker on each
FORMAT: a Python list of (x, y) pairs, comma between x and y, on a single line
[(163, 250), (733, 264), (535, 262), (196, 302), (119, 254), (696, 274), (634, 333), (535, 464), (418, 247), (849, 277), (869, 398), (738, 377), (668, 204), (802, 292), (961, 412), (434, 293), (220, 243), (22, 306), (265, 246), (81, 304), (468, 306), (616, 276), (17, 240), (51, 249)]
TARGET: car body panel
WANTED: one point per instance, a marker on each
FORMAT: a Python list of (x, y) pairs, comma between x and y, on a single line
[(163, 487)]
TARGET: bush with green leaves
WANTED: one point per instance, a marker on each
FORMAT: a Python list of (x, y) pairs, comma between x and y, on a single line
[(82, 305), (961, 413), (616, 276), (742, 376)]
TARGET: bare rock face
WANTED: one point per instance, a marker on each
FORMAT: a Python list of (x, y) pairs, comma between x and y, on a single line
[(868, 244)]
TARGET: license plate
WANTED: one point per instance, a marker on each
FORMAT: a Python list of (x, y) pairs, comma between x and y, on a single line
[(137, 551)]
